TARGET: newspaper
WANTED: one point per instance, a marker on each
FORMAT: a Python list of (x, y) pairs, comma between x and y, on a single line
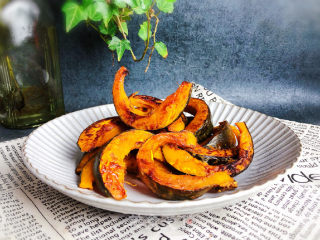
[(289, 209)]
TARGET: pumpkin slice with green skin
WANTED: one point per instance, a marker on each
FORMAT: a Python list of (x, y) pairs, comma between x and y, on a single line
[(223, 136), (99, 133), (184, 162), (171, 186), (178, 125), (143, 105), (87, 177), (112, 167), (201, 124), (190, 165), (85, 159), (162, 116)]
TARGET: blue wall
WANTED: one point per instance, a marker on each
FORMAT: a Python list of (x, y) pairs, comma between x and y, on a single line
[(263, 55)]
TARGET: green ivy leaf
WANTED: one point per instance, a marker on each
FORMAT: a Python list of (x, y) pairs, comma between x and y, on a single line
[(119, 46), (114, 9), (99, 10), (86, 3), (124, 27), (143, 31), (141, 6), (161, 49), (74, 14), (108, 29), (165, 6)]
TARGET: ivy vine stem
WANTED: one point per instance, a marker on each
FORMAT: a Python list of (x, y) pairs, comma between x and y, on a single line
[(154, 41)]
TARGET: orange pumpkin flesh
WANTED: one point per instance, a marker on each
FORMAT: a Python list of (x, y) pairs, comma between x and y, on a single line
[(183, 161), (150, 156), (162, 116), (236, 132), (99, 133), (177, 125), (143, 105), (85, 159), (186, 163), (171, 186), (201, 124), (112, 166), (245, 154), (87, 178)]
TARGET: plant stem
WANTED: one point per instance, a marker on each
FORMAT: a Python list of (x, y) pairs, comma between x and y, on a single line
[(124, 36), (154, 41)]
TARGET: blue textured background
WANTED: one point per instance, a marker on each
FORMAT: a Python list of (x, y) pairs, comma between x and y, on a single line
[(263, 55)]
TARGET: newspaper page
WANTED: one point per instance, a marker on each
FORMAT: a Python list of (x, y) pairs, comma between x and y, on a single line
[(289, 209)]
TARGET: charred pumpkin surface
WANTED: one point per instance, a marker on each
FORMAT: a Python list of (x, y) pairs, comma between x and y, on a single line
[(168, 185), (186, 163), (245, 154), (143, 105), (223, 136), (162, 116), (183, 161), (99, 133), (172, 163), (112, 166), (201, 124)]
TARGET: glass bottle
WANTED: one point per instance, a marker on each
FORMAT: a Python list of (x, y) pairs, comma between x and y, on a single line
[(30, 84)]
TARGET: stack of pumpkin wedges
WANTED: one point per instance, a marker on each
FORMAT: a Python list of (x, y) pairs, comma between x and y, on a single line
[(168, 151)]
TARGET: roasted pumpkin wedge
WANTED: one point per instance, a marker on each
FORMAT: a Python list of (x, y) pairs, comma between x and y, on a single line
[(246, 151), (183, 161), (99, 133), (223, 136), (171, 186), (186, 163), (201, 124), (162, 116), (85, 159), (178, 125), (87, 178), (112, 165), (144, 105), (185, 187), (236, 132)]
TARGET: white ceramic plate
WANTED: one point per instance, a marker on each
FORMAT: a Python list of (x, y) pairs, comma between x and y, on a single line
[(51, 153)]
